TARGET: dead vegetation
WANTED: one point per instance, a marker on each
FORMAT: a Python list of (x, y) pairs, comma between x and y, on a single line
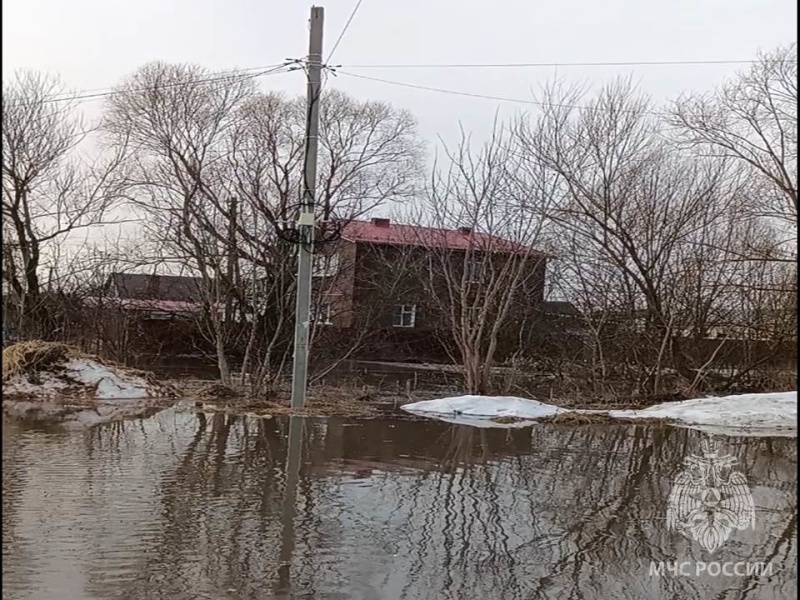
[(312, 408), (37, 360), (508, 420), (35, 355), (217, 391), (581, 418), (577, 418)]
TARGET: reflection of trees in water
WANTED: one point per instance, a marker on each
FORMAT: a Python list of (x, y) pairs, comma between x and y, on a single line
[(422, 510), (15, 476), (559, 514), (552, 522), (221, 508)]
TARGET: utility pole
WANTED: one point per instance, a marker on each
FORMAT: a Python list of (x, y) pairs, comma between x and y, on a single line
[(305, 222)]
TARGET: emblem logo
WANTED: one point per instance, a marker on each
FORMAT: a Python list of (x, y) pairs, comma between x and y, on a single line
[(710, 499)]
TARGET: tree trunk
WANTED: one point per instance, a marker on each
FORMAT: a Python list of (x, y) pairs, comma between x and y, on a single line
[(222, 362)]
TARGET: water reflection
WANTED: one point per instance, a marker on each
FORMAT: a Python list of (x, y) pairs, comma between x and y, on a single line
[(186, 505)]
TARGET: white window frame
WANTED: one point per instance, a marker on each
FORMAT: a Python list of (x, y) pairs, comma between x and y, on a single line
[(399, 314), (325, 265), (256, 289), (325, 314), (474, 270)]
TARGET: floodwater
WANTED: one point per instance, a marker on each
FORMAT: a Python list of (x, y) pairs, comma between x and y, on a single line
[(185, 506)]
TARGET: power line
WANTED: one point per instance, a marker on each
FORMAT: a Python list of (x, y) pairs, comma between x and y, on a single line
[(439, 90), (91, 94), (555, 64), (81, 97), (471, 95), (243, 74), (274, 69), (222, 74), (344, 30)]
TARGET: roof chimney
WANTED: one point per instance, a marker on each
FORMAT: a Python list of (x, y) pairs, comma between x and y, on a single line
[(381, 222), (465, 230)]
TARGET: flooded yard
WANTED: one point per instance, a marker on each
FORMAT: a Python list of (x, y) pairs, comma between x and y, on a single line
[(186, 505)]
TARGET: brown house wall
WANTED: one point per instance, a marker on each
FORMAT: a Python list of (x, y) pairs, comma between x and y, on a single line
[(338, 290), (384, 276)]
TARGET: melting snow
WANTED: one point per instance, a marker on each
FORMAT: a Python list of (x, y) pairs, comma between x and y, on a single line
[(81, 392), (740, 414), (485, 406), (746, 414), (111, 384)]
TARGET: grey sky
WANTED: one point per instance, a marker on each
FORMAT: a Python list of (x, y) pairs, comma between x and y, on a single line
[(93, 44)]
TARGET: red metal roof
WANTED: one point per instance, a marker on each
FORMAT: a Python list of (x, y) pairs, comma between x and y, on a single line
[(167, 306), (368, 232)]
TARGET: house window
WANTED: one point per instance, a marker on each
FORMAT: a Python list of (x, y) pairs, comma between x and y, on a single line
[(322, 314), (261, 286), (474, 269), (325, 266), (257, 290), (404, 315)]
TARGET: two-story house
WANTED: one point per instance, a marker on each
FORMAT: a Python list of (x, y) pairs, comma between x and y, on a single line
[(391, 278)]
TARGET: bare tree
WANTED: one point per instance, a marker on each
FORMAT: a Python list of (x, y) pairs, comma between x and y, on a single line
[(753, 119), (369, 155), (180, 120), (202, 142), (636, 203), (49, 191), (487, 209)]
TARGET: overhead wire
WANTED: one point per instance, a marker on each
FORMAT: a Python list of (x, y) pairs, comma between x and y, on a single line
[(243, 74), (95, 93), (289, 233), (81, 98), (471, 95), (344, 30), (433, 89), (643, 63), (337, 70)]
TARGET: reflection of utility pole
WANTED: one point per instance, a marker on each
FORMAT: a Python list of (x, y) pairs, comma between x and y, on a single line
[(292, 474), (305, 222)]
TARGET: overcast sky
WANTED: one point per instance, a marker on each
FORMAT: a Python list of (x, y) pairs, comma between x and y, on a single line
[(93, 44)]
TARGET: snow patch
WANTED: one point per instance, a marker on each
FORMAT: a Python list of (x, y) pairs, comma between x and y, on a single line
[(110, 384), (743, 415), (485, 406), (82, 392), (107, 383), (739, 414)]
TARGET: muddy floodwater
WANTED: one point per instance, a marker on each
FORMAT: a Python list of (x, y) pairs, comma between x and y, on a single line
[(185, 505)]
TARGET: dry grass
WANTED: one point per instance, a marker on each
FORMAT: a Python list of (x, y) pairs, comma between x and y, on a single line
[(508, 420), (217, 391), (162, 389), (35, 355), (317, 409), (326, 402), (312, 408), (575, 418)]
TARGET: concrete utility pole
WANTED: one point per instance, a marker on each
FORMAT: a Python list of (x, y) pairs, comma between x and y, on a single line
[(305, 222)]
